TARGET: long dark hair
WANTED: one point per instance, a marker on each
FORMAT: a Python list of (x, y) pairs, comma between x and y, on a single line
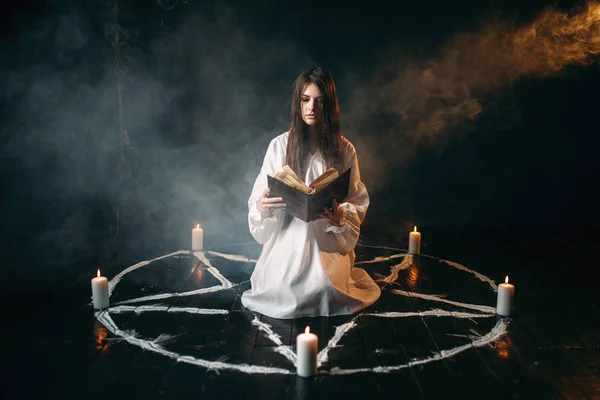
[(330, 138)]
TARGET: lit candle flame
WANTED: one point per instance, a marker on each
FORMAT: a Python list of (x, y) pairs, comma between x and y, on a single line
[(198, 226), (506, 280), (307, 330), (415, 228), (98, 274)]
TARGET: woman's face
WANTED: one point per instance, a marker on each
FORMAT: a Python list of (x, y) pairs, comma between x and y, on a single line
[(311, 104)]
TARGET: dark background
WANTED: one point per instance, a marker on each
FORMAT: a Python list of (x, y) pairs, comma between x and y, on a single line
[(208, 85)]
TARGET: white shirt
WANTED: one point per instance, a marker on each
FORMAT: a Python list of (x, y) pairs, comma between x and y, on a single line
[(308, 269)]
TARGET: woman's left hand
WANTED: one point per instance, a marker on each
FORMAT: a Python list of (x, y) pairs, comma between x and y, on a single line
[(334, 214)]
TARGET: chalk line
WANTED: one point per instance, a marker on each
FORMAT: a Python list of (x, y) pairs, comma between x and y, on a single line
[(479, 276), (232, 257), (461, 267), (340, 331), (434, 297), (266, 328), (496, 333), (379, 247), (225, 283), (378, 370), (163, 296), (453, 264), (470, 337), (395, 270), (215, 272), (165, 308), (429, 313), (113, 282), (106, 320), (381, 259), (282, 349)]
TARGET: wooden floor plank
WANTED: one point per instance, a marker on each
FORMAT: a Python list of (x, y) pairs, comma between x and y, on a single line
[(550, 350), (575, 324), (590, 357), (503, 364), (182, 380), (448, 332)]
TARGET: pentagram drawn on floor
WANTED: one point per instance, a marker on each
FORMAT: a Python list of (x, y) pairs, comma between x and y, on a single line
[(159, 303)]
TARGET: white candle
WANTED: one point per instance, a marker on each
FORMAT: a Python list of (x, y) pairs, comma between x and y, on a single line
[(506, 299), (307, 346), (197, 238), (100, 292), (414, 242)]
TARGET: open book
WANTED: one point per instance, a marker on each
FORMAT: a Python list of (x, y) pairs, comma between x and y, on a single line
[(307, 202)]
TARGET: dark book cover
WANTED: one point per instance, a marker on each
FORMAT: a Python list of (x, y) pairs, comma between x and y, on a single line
[(307, 207)]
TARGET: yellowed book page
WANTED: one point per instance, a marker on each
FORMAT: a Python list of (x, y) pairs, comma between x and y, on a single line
[(324, 179), (289, 177)]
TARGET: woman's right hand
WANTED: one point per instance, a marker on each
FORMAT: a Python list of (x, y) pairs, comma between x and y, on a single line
[(266, 204)]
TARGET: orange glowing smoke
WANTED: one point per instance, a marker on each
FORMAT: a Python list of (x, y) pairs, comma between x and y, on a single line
[(472, 64), (445, 92), (556, 40)]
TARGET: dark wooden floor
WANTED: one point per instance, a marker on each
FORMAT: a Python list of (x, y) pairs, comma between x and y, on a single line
[(54, 345)]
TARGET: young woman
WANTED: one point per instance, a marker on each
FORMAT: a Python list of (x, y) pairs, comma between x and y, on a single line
[(307, 269)]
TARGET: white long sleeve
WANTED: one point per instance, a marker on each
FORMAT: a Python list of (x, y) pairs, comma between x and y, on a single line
[(354, 208), (262, 229)]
